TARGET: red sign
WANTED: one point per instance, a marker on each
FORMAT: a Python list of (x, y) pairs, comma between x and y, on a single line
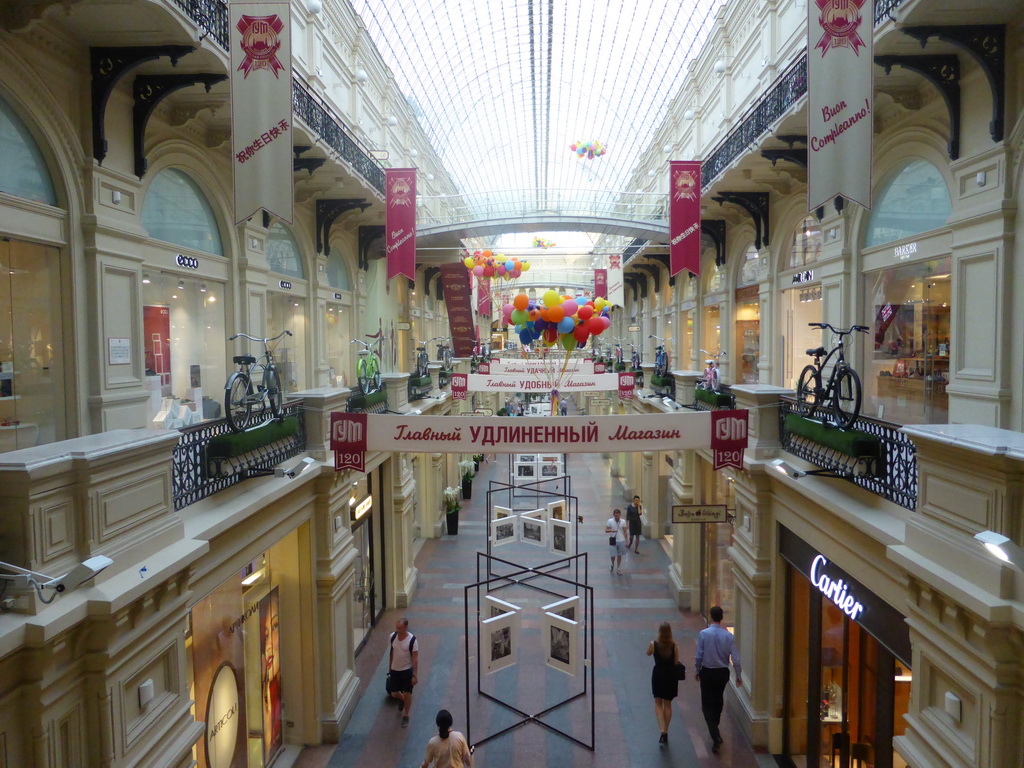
[(728, 438), (455, 280), (400, 222), (627, 383), (601, 283), (261, 42), (460, 386), (684, 216), (483, 299), (483, 367), (840, 20), (598, 367), (348, 441)]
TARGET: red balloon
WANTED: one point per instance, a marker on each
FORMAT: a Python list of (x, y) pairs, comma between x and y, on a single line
[(551, 334), (585, 312), (595, 326), (581, 333)]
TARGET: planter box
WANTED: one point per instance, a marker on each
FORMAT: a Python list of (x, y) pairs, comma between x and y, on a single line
[(237, 443), (850, 442), (717, 399)]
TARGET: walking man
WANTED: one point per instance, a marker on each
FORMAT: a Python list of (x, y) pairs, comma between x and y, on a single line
[(635, 523), (403, 661), (616, 527), (714, 647)]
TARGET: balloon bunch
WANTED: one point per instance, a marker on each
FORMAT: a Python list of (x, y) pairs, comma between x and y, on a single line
[(591, 149), (540, 242), (557, 319), (494, 266)]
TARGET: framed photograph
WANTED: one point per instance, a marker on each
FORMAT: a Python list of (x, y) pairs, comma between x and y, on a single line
[(533, 531), (500, 512), (558, 510), (499, 641), (504, 530), (550, 470), (494, 607), (551, 458), (561, 643), (568, 609), (561, 542), (526, 458), (526, 471)]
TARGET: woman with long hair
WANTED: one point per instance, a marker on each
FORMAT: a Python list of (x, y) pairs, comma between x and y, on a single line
[(664, 684), (449, 748)]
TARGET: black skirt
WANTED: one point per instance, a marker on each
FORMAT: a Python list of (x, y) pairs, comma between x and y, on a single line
[(663, 678)]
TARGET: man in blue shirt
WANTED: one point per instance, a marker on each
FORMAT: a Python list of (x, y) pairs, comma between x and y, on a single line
[(714, 647)]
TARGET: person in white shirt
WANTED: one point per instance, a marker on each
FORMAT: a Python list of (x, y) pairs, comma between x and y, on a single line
[(404, 660), (616, 526)]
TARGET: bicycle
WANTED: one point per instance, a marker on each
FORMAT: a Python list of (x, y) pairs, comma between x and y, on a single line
[(422, 358), (368, 367), (637, 357), (239, 397), (712, 380), (444, 352), (660, 357), (619, 365), (842, 393)]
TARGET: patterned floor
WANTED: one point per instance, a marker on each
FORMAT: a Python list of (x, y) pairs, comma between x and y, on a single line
[(629, 608)]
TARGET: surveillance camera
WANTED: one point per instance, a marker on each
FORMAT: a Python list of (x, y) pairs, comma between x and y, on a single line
[(304, 465), (787, 469), (78, 575)]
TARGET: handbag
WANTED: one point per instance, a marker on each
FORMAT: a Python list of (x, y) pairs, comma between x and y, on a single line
[(680, 671), (387, 684), (611, 541)]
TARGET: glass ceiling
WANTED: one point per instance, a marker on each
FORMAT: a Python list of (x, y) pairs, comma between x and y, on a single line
[(502, 88)]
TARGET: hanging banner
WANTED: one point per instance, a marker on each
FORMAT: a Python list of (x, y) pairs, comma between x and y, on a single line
[(457, 298), (261, 108), (684, 216), (627, 384), (599, 367), (460, 386), (483, 303), (601, 283), (348, 441), (728, 438), (571, 382), (616, 285), (400, 222), (840, 127), (540, 367)]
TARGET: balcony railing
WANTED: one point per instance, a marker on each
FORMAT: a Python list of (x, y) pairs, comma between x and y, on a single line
[(897, 464), (211, 16), (191, 478)]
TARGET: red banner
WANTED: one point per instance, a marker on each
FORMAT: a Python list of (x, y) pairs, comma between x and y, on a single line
[(684, 216), (728, 438), (599, 367), (601, 283), (483, 301), (627, 383), (460, 386), (400, 221), (483, 367), (455, 280), (348, 440)]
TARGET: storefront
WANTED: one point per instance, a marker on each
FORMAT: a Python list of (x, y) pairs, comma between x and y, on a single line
[(287, 296), (847, 662), (687, 323), (367, 524), (717, 580), (800, 303), (711, 322)]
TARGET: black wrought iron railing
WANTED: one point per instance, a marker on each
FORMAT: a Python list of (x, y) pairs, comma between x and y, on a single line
[(191, 475), (211, 16), (896, 475)]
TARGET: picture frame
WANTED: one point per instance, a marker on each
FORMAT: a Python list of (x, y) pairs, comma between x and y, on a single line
[(494, 607), (561, 644), (504, 530), (550, 457), (560, 535), (569, 608), (499, 642), (533, 531), (558, 510), (526, 471), (550, 470), (500, 512), (526, 458)]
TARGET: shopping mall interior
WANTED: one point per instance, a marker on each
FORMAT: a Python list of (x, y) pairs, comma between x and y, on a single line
[(196, 571)]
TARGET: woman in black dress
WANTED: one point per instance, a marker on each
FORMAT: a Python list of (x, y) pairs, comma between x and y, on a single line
[(636, 527), (664, 684)]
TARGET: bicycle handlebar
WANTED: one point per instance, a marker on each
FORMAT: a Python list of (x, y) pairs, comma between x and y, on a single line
[(366, 344), (861, 328), (253, 338), (719, 353)]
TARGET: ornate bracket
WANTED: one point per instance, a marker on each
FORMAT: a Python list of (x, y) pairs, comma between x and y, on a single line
[(797, 156), (754, 203), (428, 276), (654, 272), (149, 91), (327, 212), (663, 259), (107, 66), (639, 286), (307, 164), (715, 230), (942, 71), (986, 43), (367, 235), (792, 138)]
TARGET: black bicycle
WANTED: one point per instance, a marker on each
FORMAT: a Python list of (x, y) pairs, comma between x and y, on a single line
[(422, 358), (842, 394), (444, 352), (660, 357), (245, 405)]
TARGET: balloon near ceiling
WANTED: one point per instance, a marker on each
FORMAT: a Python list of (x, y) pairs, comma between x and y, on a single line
[(555, 319), (540, 242), (588, 149), (486, 265)]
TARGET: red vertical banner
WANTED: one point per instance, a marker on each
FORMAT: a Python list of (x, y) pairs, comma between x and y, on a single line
[(460, 386), (457, 298), (601, 283), (684, 216), (400, 221), (728, 438), (483, 301), (348, 441), (627, 383)]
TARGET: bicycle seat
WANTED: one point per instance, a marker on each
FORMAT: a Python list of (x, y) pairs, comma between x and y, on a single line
[(421, 349), (819, 352), (244, 359)]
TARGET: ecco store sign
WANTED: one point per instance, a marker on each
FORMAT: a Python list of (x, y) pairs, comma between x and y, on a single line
[(836, 590), (186, 262)]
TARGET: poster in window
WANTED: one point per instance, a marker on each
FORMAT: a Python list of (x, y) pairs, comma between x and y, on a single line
[(156, 325), (550, 470), (526, 471), (270, 675)]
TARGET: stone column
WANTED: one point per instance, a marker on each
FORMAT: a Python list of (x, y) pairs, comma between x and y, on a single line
[(686, 381), (318, 404), (403, 509), (649, 494), (398, 390), (684, 570)]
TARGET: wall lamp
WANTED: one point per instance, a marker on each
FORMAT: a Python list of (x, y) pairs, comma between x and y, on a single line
[(1002, 547), (69, 582)]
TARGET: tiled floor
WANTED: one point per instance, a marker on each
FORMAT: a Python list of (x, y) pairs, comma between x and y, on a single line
[(629, 608)]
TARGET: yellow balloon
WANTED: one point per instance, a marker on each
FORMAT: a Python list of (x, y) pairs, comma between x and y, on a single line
[(526, 266), (469, 262), (551, 298)]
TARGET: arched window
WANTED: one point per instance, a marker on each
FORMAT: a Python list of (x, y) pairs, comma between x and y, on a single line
[(23, 172), (807, 242), (713, 281), (337, 273), (176, 211), (914, 200), (749, 267), (283, 252)]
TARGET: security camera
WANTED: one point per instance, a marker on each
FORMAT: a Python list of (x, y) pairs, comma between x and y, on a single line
[(78, 575), (787, 469), (300, 468)]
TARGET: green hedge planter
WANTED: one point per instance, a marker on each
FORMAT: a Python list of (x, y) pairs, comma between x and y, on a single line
[(661, 381), (858, 445), (620, 368), (237, 443), (361, 402), (422, 381), (717, 399)]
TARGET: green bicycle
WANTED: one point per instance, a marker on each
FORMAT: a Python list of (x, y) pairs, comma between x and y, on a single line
[(368, 368)]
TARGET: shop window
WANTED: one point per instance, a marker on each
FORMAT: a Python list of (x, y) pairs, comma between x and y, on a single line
[(185, 341), (749, 267), (907, 365), (23, 173), (914, 200), (337, 272), (713, 281), (283, 252), (338, 343), (712, 329), (807, 242), (176, 211), (287, 312), (800, 306), (748, 335), (686, 339)]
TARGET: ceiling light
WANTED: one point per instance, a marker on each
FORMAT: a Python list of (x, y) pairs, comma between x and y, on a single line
[(413, 154), (667, 148), (181, 285), (314, 6), (430, 177), (253, 577), (361, 76), (689, 114), (720, 66), (202, 287), (145, 278), (211, 298), (652, 174), (392, 121)]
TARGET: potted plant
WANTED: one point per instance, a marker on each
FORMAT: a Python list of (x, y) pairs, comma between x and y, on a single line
[(451, 509), (467, 472), (477, 458)]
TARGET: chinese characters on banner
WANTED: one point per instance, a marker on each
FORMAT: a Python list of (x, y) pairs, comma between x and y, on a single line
[(616, 285), (684, 216), (455, 282), (400, 221), (348, 441), (261, 108), (728, 438), (601, 283), (839, 92), (627, 383), (460, 386)]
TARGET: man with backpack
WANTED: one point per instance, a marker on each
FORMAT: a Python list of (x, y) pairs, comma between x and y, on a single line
[(403, 661)]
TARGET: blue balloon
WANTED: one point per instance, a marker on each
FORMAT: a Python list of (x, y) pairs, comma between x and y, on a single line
[(540, 324), (509, 265), (526, 337), (566, 324)]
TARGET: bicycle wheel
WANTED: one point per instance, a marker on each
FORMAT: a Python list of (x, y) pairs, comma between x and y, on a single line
[(238, 401), (716, 381), (846, 397), (808, 390), (361, 378), (275, 394), (373, 374)]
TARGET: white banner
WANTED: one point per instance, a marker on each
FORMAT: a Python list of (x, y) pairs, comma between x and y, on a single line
[(571, 382), (261, 108), (616, 292), (839, 100), (554, 366)]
